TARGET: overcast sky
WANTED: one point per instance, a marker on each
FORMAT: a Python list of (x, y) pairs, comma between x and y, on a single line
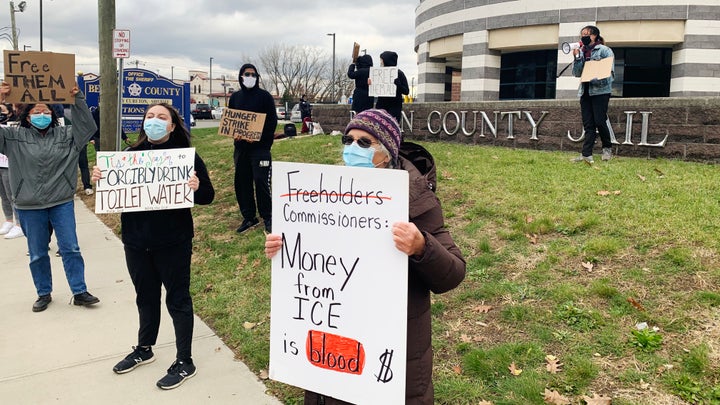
[(183, 34)]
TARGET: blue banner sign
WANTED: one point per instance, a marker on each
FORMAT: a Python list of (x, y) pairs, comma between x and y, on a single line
[(141, 88)]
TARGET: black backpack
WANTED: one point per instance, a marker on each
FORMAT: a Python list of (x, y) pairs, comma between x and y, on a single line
[(422, 160), (290, 130)]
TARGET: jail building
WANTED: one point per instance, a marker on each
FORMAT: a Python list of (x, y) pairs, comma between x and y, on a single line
[(493, 50)]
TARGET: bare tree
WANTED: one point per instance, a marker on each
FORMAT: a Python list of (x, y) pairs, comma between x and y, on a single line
[(294, 70)]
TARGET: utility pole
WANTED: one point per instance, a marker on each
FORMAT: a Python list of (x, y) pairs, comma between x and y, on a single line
[(108, 77)]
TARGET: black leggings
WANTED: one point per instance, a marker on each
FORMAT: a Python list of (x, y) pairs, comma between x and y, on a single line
[(594, 116), (150, 270)]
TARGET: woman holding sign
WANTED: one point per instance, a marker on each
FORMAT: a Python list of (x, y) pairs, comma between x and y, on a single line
[(435, 263), (594, 94), (158, 248), (359, 71), (42, 159)]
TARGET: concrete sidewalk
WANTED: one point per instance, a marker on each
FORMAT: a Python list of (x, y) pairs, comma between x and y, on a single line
[(65, 354)]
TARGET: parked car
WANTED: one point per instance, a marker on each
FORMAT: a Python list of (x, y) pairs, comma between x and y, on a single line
[(281, 113), (217, 113), (295, 114), (201, 111)]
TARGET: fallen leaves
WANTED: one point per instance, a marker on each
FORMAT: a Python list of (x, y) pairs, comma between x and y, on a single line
[(533, 238), (588, 266), (263, 375), (553, 364), (635, 304), (483, 309), (642, 178), (604, 193), (555, 398), (514, 370)]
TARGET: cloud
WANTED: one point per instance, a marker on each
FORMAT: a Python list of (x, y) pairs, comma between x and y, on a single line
[(173, 37)]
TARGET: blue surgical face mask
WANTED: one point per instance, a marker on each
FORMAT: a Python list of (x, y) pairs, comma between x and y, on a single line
[(40, 121), (155, 128), (354, 155)]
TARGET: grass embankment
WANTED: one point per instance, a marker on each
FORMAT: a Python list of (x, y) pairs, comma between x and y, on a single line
[(563, 259)]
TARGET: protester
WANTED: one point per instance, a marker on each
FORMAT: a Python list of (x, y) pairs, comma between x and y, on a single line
[(360, 72), (42, 159), (435, 263), (393, 105), (253, 159), (11, 228), (594, 95), (158, 249), (305, 114)]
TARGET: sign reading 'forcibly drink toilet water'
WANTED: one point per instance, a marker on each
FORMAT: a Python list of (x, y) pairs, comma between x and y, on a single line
[(145, 180), (339, 285)]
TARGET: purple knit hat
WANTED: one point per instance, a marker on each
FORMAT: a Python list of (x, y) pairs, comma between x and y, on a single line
[(381, 125)]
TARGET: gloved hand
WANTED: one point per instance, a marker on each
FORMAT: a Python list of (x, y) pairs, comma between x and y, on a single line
[(595, 81)]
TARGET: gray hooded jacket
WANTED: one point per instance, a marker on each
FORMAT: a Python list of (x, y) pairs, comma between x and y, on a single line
[(43, 168)]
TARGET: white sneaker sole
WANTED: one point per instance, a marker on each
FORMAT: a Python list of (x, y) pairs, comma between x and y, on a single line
[(187, 377), (150, 360)]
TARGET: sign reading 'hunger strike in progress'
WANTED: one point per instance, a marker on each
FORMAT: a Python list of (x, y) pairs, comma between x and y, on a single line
[(145, 180), (239, 124), (339, 286)]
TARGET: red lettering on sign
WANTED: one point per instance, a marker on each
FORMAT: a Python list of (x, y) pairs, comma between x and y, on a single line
[(335, 352)]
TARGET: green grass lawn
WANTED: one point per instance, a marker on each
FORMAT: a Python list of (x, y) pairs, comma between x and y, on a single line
[(563, 260)]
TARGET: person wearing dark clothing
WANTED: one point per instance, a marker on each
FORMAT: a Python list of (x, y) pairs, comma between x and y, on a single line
[(360, 72), (253, 159), (305, 114), (435, 263), (393, 105), (95, 140), (158, 251)]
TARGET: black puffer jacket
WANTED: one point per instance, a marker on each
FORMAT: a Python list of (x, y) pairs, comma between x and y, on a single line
[(360, 72), (441, 268), (393, 105)]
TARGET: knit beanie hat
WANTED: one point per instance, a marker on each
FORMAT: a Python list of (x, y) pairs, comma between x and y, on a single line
[(380, 125)]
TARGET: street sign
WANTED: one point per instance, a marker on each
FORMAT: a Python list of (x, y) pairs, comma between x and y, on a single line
[(121, 43)]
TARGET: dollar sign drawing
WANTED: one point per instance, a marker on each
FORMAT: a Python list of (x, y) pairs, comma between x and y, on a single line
[(385, 374)]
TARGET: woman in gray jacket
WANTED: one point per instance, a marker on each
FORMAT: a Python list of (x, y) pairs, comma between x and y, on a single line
[(43, 176)]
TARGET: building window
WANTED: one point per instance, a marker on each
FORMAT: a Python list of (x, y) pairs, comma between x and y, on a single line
[(528, 75), (642, 72)]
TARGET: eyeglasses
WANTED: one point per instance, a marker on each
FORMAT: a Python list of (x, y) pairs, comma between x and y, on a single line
[(248, 74), (362, 142)]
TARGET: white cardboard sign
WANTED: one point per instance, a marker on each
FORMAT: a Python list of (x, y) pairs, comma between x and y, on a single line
[(382, 81), (339, 286), (144, 180)]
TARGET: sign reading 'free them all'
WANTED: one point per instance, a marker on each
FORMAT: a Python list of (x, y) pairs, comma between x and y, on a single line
[(39, 77)]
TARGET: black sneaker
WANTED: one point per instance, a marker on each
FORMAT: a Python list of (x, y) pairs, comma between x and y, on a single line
[(138, 357), (85, 299), (268, 226), (177, 374), (247, 224), (41, 303)]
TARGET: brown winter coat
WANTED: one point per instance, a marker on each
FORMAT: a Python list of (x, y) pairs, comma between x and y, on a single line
[(441, 268)]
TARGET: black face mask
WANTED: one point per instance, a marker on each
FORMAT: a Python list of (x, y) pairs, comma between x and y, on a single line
[(585, 40)]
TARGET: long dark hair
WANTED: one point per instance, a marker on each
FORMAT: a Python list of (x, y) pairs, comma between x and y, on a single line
[(594, 31), (26, 112), (179, 136)]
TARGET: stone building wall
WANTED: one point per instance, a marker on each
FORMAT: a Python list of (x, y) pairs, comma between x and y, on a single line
[(678, 128)]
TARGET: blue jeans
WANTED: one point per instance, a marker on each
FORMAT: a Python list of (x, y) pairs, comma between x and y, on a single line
[(35, 226)]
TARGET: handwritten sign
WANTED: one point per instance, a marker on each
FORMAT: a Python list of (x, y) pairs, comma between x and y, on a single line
[(355, 51), (39, 77), (382, 81), (597, 69), (339, 286), (144, 180), (239, 124)]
